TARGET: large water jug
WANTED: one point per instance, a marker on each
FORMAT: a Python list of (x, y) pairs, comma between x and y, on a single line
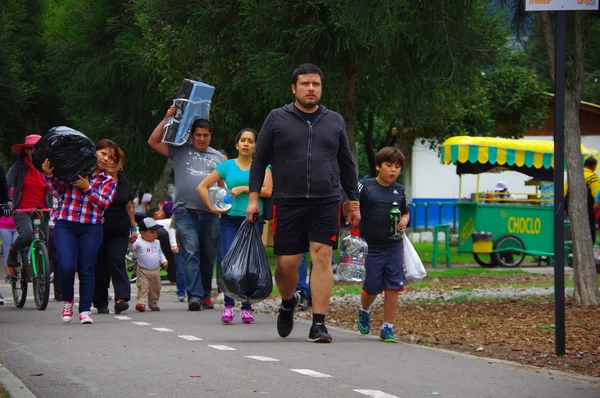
[(353, 252), (220, 198)]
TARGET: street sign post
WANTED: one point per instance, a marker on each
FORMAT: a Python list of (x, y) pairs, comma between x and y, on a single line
[(559, 151)]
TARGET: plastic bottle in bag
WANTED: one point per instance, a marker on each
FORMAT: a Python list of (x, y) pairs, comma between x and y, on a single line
[(220, 198), (353, 252)]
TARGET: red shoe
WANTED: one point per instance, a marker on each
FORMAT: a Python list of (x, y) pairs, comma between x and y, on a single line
[(140, 307), (207, 304), (67, 312)]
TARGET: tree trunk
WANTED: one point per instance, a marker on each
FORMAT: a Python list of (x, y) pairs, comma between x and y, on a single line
[(162, 183), (349, 113), (369, 148), (586, 283)]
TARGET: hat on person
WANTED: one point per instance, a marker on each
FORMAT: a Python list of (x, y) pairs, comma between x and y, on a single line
[(30, 141), (501, 186), (148, 224)]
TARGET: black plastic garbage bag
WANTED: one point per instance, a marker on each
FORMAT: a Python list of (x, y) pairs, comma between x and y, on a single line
[(70, 152), (245, 274)]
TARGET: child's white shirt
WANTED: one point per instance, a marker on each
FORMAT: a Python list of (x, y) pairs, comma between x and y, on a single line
[(149, 255), (166, 223)]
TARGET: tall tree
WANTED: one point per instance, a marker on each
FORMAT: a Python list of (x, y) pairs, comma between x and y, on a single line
[(578, 38), (402, 51)]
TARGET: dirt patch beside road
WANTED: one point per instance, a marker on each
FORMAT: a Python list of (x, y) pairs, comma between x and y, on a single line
[(519, 330)]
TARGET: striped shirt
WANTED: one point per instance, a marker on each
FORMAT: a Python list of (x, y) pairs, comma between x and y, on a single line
[(82, 206)]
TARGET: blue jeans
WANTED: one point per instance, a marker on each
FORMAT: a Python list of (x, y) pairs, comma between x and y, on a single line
[(302, 285), (198, 236), (77, 246), (180, 275), (229, 227)]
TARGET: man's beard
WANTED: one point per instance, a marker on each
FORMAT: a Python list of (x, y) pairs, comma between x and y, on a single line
[(306, 105)]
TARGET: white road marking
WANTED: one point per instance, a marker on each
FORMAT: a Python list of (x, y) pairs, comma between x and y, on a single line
[(222, 347), (163, 330), (189, 338), (311, 373), (141, 323), (375, 394), (122, 317), (264, 359)]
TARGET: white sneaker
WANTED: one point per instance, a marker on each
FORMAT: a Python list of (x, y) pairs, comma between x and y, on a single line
[(67, 312), (220, 298), (85, 317)]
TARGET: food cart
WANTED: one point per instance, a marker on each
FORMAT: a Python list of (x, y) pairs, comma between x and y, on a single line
[(495, 229)]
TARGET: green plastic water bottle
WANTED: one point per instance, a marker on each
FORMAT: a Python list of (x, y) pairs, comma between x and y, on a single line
[(395, 215)]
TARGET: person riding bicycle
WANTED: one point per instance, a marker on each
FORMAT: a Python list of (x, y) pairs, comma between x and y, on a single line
[(4, 208), (30, 191)]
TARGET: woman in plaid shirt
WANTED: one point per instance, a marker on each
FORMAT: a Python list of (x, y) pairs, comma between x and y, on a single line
[(78, 227)]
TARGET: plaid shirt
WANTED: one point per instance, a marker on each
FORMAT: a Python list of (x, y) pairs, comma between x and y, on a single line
[(83, 206)]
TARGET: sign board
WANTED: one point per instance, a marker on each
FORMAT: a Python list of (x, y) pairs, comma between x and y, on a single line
[(561, 5)]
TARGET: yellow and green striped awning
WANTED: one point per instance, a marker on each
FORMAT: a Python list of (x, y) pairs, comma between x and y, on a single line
[(502, 152)]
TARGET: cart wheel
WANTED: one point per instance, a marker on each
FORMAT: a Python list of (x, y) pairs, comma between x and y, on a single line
[(485, 260), (506, 257)]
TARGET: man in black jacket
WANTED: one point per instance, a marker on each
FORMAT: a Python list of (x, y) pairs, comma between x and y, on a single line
[(307, 146)]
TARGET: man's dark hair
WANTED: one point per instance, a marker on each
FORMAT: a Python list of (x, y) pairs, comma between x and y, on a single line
[(239, 134), (389, 154), (590, 162), (304, 69), (201, 124)]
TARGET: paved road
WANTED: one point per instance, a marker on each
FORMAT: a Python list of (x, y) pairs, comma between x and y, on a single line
[(176, 353)]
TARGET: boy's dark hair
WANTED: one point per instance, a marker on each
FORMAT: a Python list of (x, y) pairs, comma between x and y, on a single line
[(239, 134), (590, 162), (153, 211), (389, 154), (201, 124), (304, 69)]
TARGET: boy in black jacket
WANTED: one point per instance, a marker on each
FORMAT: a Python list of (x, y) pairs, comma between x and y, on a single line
[(384, 263)]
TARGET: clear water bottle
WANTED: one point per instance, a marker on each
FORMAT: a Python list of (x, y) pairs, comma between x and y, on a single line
[(220, 198), (353, 252)]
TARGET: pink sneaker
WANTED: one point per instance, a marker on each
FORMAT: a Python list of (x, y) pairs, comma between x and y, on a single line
[(85, 318), (247, 316), (227, 315), (67, 312)]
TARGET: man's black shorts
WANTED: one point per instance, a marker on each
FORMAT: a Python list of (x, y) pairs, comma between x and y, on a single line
[(296, 223)]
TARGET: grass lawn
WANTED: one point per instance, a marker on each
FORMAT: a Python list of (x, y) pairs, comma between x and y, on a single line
[(425, 251)]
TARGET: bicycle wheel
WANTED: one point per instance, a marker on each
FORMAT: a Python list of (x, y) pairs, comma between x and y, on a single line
[(41, 276), (18, 283)]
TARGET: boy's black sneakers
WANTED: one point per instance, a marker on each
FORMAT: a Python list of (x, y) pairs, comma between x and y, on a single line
[(285, 319), (121, 306), (318, 334)]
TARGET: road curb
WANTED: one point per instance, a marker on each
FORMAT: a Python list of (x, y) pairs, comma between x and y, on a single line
[(13, 384)]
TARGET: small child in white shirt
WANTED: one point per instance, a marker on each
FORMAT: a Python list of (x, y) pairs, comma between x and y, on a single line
[(149, 257)]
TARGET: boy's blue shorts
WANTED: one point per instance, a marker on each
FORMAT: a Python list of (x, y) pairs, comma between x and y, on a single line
[(384, 271)]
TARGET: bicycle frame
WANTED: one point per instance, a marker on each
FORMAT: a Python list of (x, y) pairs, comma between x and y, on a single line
[(37, 222)]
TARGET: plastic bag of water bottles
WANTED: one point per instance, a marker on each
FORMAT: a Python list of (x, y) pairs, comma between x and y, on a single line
[(192, 102), (245, 273), (220, 198), (353, 251), (414, 270)]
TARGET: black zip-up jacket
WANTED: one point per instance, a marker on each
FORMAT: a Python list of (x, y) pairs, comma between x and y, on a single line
[(308, 160)]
